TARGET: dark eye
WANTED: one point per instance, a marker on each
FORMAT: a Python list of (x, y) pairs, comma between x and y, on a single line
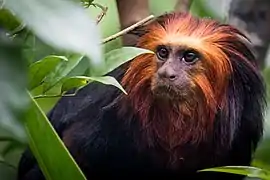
[(190, 57), (162, 53)]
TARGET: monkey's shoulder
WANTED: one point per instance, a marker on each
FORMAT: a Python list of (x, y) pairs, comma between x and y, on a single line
[(87, 102)]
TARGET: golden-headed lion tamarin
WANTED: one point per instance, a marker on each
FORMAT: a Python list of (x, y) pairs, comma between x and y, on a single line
[(196, 103)]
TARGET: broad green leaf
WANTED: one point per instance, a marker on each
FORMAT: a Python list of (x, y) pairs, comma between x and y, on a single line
[(52, 156), (65, 25), (39, 69), (61, 71), (80, 81), (13, 76), (117, 57), (108, 80), (242, 170), (74, 82)]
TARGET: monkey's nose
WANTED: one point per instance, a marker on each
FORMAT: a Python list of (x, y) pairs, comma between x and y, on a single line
[(167, 73)]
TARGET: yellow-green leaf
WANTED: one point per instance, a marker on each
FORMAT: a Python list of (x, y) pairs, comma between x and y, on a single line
[(39, 69), (74, 82), (61, 71)]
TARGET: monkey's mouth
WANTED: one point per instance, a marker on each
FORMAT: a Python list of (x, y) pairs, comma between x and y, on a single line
[(164, 91), (167, 90)]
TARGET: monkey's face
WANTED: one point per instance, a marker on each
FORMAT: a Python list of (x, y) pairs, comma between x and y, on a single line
[(176, 67)]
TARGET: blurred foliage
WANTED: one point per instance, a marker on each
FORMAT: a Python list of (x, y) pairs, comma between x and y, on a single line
[(40, 58)]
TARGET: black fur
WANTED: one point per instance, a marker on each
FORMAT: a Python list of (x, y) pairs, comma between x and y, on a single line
[(105, 145)]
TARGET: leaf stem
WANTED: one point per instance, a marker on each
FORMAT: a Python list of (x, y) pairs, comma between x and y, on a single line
[(53, 96), (128, 29)]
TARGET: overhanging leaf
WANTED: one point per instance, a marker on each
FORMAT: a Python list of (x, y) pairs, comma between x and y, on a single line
[(80, 81), (117, 57), (242, 170), (62, 24), (108, 80), (52, 156), (39, 69), (61, 71)]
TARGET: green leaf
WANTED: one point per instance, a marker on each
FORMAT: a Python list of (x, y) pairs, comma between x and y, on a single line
[(108, 80), (60, 72), (52, 156), (39, 69), (80, 81), (242, 170), (13, 81), (74, 82), (117, 57), (65, 25)]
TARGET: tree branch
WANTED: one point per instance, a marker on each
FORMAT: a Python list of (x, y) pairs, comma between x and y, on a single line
[(130, 28)]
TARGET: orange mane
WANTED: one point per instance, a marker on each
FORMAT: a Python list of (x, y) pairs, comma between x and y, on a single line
[(189, 121)]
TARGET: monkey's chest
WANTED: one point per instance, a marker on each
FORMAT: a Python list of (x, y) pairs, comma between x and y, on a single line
[(126, 160), (124, 154)]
